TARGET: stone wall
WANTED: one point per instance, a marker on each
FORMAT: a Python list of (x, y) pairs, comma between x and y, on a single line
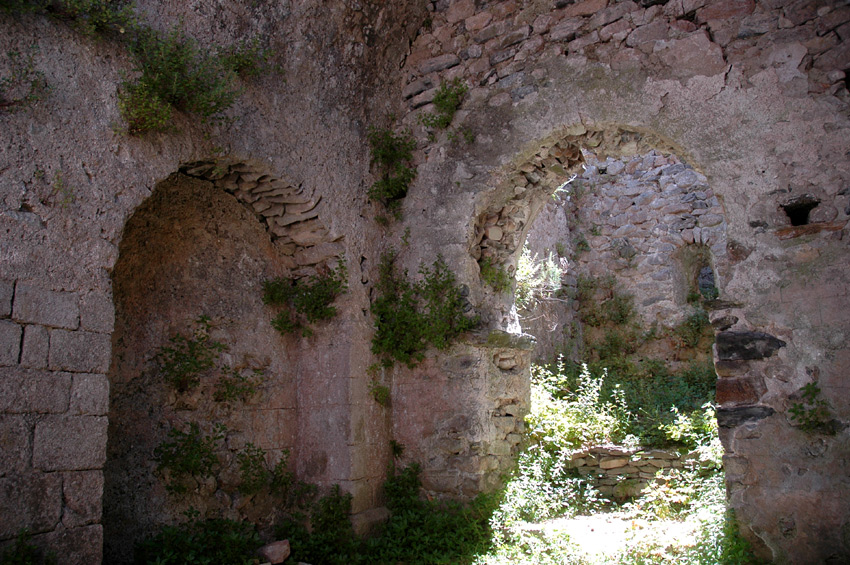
[(55, 397), (752, 95), (620, 472)]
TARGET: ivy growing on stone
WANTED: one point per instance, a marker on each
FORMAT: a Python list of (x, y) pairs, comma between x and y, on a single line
[(305, 301), (185, 359), (412, 316)]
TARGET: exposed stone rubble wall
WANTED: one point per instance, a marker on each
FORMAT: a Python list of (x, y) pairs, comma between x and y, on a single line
[(620, 473)]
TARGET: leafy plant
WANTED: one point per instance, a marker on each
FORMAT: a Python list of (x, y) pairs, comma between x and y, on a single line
[(306, 301), (248, 58), (253, 471), (235, 386), (380, 393), (494, 275), (201, 543), (189, 454), (812, 414), (410, 317), (186, 358), (393, 155), (693, 328), (447, 100), (24, 85), (176, 72), (580, 243)]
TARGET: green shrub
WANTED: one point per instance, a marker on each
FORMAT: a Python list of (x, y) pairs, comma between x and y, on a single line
[(447, 100), (306, 301), (393, 155), (201, 543), (253, 470), (143, 110), (693, 328), (494, 275), (380, 393), (410, 317), (189, 454), (175, 71), (536, 279), (248, 58), (186, 358)]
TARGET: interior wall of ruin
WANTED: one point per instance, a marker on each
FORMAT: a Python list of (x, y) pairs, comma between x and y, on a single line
[(752, 95)]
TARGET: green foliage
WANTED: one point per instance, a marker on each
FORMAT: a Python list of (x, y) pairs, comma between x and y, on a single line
[(248, 59), (253, 471), (235, 386), (536, 279), (186, 358), (693, 328), (447, 100), (306, 301), (142, 109), (410, 317), (561, 421), (494, 275), (380, 393), (174, 70), (201, 543), (812, 414), (330, 540), (393, 155), (22, 552), (190, 454), (694, 429), (24, 85), (601, 302), (89, 17)]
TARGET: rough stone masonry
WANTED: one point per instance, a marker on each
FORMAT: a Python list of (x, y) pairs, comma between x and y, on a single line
[(110, 244)]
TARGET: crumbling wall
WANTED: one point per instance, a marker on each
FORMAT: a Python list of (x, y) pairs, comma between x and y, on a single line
[(750, 94)]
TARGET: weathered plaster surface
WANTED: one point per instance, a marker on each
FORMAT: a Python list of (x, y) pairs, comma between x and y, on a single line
[(751, 94)]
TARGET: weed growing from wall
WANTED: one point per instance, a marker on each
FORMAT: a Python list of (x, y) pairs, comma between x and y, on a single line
[(23, 86), (305, 301), (22, 552), (410, 317), (536, 279), (173, 71), (189, 454), (494, 275), (234, 386), (185, 359), (447, 100), (812, 414), (693, 328), (392, 154)]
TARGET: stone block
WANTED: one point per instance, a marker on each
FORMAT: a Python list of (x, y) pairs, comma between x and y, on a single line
[(35, 347), (725, 9), (734, 417), (585, 8), (97, 313), (439, 63), (70, 443), (694, 55), (27, 391), (83, 352), (36, 305), (613, 463), (82, 492), (31, 500), (274, 552), (15, 448), (7, 289), (738, 391), (10, 343), (74, 546), (745, 345), (89, 395)]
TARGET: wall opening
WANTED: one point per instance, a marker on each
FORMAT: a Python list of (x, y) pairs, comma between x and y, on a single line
[(192, 250), (799, 208)]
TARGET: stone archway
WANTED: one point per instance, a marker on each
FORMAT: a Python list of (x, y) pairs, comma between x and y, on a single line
[(201, 246)]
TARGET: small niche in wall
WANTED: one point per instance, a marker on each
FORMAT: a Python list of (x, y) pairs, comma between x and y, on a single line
[(798, 209)]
